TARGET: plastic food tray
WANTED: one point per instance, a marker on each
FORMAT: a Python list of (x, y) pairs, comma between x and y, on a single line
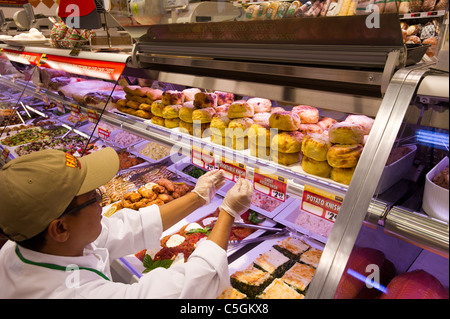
[(291, 213), (435, 198), (394, 172), (141, 145)]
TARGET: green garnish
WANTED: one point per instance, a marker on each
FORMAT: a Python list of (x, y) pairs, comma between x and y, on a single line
[(151, 264), (253, 217), (206, 230)]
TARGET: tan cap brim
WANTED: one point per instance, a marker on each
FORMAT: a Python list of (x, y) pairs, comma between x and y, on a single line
[(102, 166)]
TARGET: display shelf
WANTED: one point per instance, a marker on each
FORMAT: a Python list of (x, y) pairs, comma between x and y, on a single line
[(422, 15)]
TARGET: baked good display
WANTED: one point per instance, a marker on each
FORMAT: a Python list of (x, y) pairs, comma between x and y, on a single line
[(308, 114), (171, 111), (172, 97), (259, 135), (344, 156), (316, 146), (363, 121), (326, 122), (203, 115), (342, 175), (260, 105), (284, 121), (240, 109), (346, 133), (310, 128), (185, 112), (299, 276), (204, 100), (287, 142), (285, 158), (318, 168), (157, 108), (189, 94), (224, 97), (172, 122)]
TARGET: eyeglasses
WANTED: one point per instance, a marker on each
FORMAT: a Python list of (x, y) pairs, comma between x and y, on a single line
[(97, 198)]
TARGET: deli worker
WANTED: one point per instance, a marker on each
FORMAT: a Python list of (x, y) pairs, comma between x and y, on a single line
[(61, 247)]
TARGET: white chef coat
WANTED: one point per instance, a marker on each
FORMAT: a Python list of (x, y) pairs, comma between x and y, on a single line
[(29, 274)]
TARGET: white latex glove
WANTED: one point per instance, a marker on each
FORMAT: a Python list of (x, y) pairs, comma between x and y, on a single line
[(238, 198), (208, 184)]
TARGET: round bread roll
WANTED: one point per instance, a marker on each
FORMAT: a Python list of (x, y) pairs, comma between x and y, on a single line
[(318, 168), (217, 139), (172, 97), (284, 121), (365, 122), (260, 105), (342, 175), (259, 151), (346, 133), (203, 115), (316, 146), (310, 128), (277, 109), (189, 94), (326, 122), (153, 94), (187, 128), (262, 119), (158, 120), (285, 158), (344, 156), (201, 130), (144, 114), (259, 135), (308, 114), (219, 124), (171, 111), (157, 108), (185, 112), (240, 109), (222, 110), (224, 97), (237, 143), (204, 100), (287, 142), (172, 122), (239, 127)]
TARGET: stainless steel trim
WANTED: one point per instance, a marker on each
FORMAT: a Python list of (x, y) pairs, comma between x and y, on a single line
[(357, 200), (420, 230)]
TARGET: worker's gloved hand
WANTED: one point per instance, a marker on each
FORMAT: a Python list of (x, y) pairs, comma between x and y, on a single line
[(238, 198), (208, 184)]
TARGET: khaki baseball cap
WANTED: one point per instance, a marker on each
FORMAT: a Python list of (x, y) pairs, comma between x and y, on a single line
[(35, 189)]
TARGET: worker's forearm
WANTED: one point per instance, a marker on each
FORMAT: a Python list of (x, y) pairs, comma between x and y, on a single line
[(174, 211), (220, 234)]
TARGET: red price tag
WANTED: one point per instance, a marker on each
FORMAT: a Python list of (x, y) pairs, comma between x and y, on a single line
[(321, 203), (202, 158), (232, 170), (92, 116), (104, 134), (74, 109), (270, 184)]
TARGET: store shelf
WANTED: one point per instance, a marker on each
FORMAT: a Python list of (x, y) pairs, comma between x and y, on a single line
[(422, 15)]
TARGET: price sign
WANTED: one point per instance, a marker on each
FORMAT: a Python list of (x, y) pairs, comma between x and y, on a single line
[(321, 203), (92, 116), (202, 158), (270, 184), (232, 170), (74, 109), (60, 107), (104, 134), (4, 155)]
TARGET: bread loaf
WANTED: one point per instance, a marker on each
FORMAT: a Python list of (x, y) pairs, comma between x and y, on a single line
[(344, 156), (346, 133)]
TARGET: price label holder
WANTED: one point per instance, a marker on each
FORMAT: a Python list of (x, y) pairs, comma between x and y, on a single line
[(270, 184), (60, 107), (104, 134), (75, 110), (92, 116), (4, 155), (202, 158), (232, 170), (321, 203)]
